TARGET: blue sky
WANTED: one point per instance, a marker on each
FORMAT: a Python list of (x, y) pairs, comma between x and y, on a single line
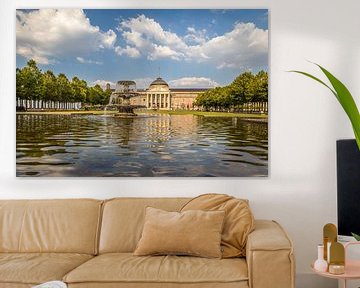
[(192, 48)]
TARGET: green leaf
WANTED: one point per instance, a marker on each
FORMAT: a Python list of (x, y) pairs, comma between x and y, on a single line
[(347, 101), (356, 236), (344, 97), (316, 79)]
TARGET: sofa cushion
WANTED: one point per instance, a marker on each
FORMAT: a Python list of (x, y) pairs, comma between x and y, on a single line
[(126, 268), (36, 268), (123, 220), (63, 226), (238, 223), (193, 232)]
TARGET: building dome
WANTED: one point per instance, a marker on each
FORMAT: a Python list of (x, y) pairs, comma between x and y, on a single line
[(158, 81)]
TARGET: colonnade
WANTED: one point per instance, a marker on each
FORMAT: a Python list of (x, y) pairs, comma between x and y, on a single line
[(42, 104), (158, 100)]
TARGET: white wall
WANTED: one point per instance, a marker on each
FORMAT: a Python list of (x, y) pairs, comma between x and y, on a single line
[(305, 120)]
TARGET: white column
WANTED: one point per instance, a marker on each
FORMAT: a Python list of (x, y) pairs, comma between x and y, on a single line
[(160, 95), (169, 103), (156, 100)]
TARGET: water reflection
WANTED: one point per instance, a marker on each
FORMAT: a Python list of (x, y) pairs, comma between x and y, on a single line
[(156, 145)]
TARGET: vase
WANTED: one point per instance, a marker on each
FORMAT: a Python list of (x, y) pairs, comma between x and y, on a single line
[(320, 264)]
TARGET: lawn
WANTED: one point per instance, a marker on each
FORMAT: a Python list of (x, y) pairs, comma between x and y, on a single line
[(143, 111)]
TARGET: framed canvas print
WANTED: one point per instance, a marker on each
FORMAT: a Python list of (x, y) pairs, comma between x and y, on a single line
[(147, 93)]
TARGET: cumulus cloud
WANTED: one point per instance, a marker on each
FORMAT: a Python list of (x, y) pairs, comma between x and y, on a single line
[(46, 35), (193, 82), (88, 61), (195, 36), (102, 83), (132, 52), (245, 46), (150, 39)]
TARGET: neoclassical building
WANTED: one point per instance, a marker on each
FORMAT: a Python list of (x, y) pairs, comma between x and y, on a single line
[(160, 96)]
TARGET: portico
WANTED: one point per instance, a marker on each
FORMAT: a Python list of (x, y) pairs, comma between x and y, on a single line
[(158, 95)]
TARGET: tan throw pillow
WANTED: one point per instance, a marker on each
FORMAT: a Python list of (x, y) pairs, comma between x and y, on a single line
[(239, 220), (196, 233)]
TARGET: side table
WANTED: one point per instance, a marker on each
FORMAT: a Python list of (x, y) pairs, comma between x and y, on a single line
[(352, 269)]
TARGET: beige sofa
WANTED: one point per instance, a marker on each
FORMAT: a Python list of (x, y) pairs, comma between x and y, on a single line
[(89, 243)]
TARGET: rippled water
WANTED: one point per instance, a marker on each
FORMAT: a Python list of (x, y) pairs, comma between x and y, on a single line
[(155, 145)]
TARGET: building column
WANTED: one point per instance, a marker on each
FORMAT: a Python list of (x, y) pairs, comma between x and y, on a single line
[(161, 95), (169, 103), (147, 100)]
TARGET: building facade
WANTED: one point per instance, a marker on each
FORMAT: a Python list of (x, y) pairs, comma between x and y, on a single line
[(160, 96)]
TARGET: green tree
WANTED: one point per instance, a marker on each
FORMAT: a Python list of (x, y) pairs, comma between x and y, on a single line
[(49, 87), (64, 88), (96, 95), (29, 81), (245, 88), (79, 89)]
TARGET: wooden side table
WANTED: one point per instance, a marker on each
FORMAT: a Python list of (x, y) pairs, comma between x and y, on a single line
[(352, 269)]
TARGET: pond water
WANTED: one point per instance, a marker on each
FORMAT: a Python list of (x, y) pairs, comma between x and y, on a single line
[(147, 145)]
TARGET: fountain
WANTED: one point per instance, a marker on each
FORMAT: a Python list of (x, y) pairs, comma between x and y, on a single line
[(120, 98)]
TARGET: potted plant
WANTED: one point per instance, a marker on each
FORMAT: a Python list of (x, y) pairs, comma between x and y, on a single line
[(344, 97), (346, 100)]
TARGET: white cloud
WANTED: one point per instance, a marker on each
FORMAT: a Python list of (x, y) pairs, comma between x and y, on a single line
[(102, 83), (88, 61), (245, 46), (132, 52), (46, 35), (195, 36), (193, 82), (161, 51), (150, 39)]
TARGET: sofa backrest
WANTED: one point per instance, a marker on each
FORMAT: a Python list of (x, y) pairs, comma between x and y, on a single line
[(123, 220), (67, 226)]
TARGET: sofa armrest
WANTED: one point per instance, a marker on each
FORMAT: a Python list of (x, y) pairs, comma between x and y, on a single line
[(269, 256)]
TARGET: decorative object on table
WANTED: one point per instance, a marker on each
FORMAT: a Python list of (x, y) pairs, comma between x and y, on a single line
[(329, 236), (320, 264), (348, 270), (344, 97), (337, 258), (52, 284)]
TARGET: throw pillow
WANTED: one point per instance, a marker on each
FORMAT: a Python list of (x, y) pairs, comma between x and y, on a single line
[(238, 224), (196, 233)]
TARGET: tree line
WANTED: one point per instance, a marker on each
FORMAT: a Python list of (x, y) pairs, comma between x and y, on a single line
[(33, 84), (246, 88)]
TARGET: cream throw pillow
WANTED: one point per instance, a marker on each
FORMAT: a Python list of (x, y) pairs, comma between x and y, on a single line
[(193, 232), (238, 223)]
